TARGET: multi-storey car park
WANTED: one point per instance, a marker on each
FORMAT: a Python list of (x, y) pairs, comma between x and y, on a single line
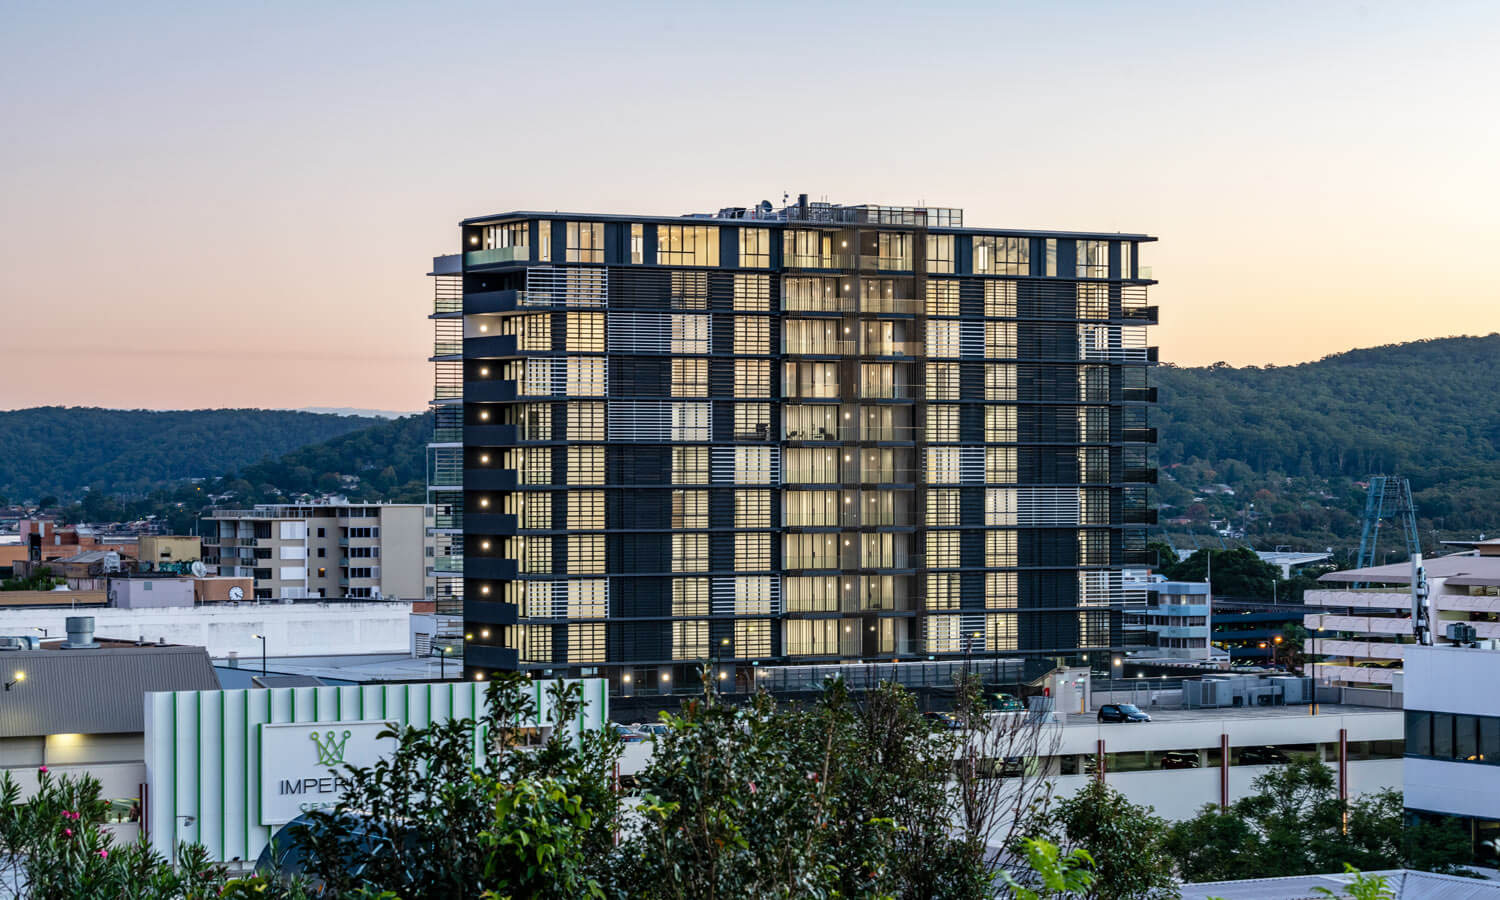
[(819, 434)]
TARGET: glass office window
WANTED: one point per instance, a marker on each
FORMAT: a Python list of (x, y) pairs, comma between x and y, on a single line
[(755, 248), (1002, 255), (1093, 259), (637, 243), (585, 242), (940, 254), (687, 245)]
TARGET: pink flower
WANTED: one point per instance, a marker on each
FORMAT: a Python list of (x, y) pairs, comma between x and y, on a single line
[(43, 770), (104, 854), (68, 832), (752, 787)]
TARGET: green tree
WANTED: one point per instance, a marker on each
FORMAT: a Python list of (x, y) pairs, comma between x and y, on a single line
[(1125, 841)]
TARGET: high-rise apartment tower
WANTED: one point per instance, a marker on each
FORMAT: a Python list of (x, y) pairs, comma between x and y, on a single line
[(761, 437)]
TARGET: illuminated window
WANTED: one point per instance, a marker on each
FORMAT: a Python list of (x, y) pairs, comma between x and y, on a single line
[(689, 596), (1093, 547), (689, 290), (807, 249), (535, 510), (1000, 381), (755, 248), (585, 508), (1093, 425), (752, 334), (942, 338), (1000, 340), (942, 424), (943, 506), (690, 509), (811, 637), (806, 465), (1002, 255), (585, 465), (544, 240), (690, 333), (894, 251), (535, 555), (687, 245), (752, 638), (1000, 465), (532, 642), (586, 376), (1000, 591), (586, 554), (585, 332), (1093, 301), (999, 549), (752, 378), (690, 465), (944, 634), (637, 243), (752, 421), (752, 293), (1000, 424), (512, 235), (689, 378), (943, 590), (752, 509), (943, 550), (942, 381), (585, 242), (752, 552), (586, 421), (753, 465), (813, 593), (1127, 259), (690, 639), (940, 253), (1051, 257), (943, 465), (1000, 506), (942, 298), (1000, 299), (1000, 631), (586, 643), (1093, 259), (689, 552), (533, 332)]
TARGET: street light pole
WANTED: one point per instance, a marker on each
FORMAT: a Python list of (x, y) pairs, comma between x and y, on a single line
[(443, 663), (262, 653)]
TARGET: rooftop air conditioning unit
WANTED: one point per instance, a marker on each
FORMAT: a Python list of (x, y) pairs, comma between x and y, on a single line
[(1461, 633)]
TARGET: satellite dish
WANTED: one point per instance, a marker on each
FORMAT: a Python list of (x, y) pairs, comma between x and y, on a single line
[(199, 569)]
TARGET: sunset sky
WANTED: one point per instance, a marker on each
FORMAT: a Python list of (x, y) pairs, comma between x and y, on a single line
[(212, 204)]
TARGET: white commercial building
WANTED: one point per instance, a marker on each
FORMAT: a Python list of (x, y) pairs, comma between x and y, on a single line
[(1367, 628), (1452, 765), (227, 769)]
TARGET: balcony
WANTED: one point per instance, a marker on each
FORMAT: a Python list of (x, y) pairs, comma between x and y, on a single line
[(1140, 315), (1138, 517), (1139, 395), (448, 565), (486, 657), (491, 568), (493, 479), (493, 435), (897, 349), (1139, 476), (493, 301), (492, 524), (1138, 435), (493, 390), (1138, 558), (492, 346), (817, 348), (497, 256)]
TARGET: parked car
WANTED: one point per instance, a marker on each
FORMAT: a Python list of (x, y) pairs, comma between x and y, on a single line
[(1122, 712), (1003, 702), (942, 720), (627, 734), (1180, 759), (1263, 756), (650, 729)]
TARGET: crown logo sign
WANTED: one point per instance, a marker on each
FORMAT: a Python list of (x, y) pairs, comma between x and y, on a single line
[(330, 749)]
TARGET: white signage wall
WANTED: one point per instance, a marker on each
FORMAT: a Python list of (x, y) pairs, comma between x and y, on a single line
[(226, 769)]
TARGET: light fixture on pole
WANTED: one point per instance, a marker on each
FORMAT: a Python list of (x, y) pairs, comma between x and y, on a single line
[(262, 639), (16, 679)]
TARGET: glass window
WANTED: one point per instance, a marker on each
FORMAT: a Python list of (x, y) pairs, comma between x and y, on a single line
[(585, 508), (752, 378), (942, 338), (1000, 590), (1442, 735), (1000, 424), (755, 248), (689, 552), (1000, 340), (585, 465), (1093, 259), (999, 465), (690, 639), (690, 465), (940, 253), (752, 292), (752, 509), (687, 245), (586, 643), (1000, 506), (752, 334), (585, 332), (585, 242), (943, 506), (689, 378), (752, 552), (807, 249), (1093, 301), (999, 549), (942, 424), (544, 240), (1000, 381), (942, 298), (637, 243), (689, 596), (943, 590), (1127, 255), (943, 465), (586, 554), (586, 421), (894, 249), (1051, 257), (1000, 632), (511, 235), (585, 376), (690, 509), (1002, 255), (1000, 299), (811, 637), (752, 421), (689, 290), (752, 638), (943, 550), (942, 381)]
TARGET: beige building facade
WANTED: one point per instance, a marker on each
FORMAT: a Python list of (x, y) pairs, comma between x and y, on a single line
[(363, 551)]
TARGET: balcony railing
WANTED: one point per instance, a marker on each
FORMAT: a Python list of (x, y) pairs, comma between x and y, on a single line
[(497, 255), (818, 348)]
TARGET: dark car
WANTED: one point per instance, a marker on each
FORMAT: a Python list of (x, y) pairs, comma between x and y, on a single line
[(284, 856), (1263, 756), (942, 720), (1122, 712), (1003, 702), (1180, 759)]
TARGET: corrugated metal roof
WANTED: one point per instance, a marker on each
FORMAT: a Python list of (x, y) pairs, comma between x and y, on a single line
[(100, 691)]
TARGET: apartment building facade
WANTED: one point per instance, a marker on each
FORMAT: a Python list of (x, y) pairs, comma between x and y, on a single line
[(360, 551), (816, 434), (1364, 628)]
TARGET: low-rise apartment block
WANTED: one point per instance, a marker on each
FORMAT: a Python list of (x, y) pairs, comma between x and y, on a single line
[(362, 551)]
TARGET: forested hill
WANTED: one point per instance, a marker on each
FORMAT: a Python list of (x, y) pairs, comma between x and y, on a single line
[(1429, 410), (60, 451)]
